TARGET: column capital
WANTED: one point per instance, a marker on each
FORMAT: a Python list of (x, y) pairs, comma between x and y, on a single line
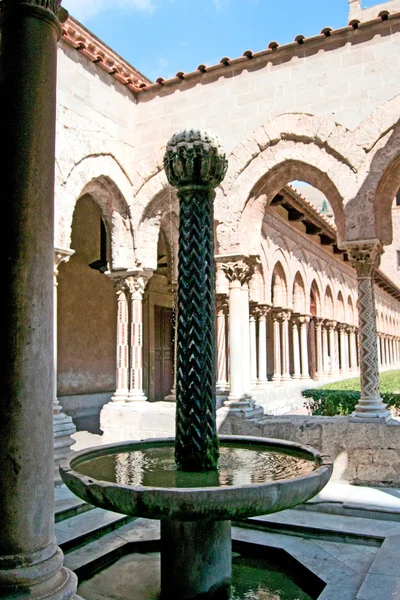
[(319, 321), (342, 326), (221, 302), (237, 267), (282, 315), (331, 325), (52, 6), (61, 255), (364, 255), (304, 319), (350, 328), (261, 310)]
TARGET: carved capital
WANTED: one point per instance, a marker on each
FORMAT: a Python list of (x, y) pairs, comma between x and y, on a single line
[(318, 322), (238, 271), (221, 303), (364, 256), (195, 158), (60, 256), (52, 6), (261, 311), (136, 285), (331, 325), (282, 315), (303, 319)]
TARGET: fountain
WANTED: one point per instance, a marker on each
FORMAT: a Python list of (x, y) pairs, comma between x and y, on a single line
[(197, 483)]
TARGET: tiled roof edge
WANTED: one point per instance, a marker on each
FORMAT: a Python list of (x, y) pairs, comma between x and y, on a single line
[(85, 42)]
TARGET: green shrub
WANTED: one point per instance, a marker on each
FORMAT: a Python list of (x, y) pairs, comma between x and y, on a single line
[(330, 403)]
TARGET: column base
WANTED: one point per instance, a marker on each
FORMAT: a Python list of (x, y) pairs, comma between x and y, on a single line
[(136, 397), (263, 384), (120, 396), (246, 408), (38, 575), (372, 411)]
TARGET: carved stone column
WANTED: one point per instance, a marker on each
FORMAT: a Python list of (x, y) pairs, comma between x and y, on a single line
[(277, 375), (246, 350), (353, 348), (336, 351), (221, 306), (253, 345), (63, 426), (365, 257), (343, 350), (331, 326), (325, 348), (296, 349), (285, 318), (31, 563), (238, 274), (304, 321), (122, 354), (262, 346), (136, 285), (171, 396), (319, 348)]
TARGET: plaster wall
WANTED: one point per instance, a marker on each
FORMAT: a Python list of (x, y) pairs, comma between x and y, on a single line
[(344, 77), (86, 313)]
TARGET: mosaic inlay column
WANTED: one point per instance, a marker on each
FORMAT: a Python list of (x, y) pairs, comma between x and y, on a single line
[(365, 257), (136, 286), (262, 346), (122, 358), (221, 307), (319, 348), (296, 349), (304, 321)]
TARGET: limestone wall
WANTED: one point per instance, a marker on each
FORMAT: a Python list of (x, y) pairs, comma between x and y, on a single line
[(344, 77)]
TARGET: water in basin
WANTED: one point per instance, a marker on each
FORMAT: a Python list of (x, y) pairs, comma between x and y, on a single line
[(155, 467)]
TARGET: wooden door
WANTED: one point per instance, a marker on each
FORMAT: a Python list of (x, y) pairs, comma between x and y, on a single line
[(163, 352)]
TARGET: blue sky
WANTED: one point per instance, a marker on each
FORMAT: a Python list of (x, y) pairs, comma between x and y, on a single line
[(162, 37)]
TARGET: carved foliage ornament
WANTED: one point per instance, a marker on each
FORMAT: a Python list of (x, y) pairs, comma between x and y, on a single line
[(238, 271), (365, 258), (195, 158), (50, 5)]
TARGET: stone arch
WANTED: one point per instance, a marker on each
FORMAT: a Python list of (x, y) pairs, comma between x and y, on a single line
[(329, 305), (341, 315), (315, 299), (274, 155), (350, 315), (105, 181), (299, 294), (279, 288)]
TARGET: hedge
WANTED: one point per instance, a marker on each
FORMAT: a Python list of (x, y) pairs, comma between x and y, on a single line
[(329, 403)]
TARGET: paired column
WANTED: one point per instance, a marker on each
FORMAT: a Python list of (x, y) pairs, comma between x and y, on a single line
[(296, 349), (304, 321), (277, 375), (319, 348), (222, 379), (262, 312), (331, 326), (239, 399), (129, 358), (365, 257), (343, 348), (353, 348), (63, 426), (31, 563)]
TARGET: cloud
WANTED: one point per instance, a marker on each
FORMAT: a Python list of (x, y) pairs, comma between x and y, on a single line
[(83, 10), (220, 4)]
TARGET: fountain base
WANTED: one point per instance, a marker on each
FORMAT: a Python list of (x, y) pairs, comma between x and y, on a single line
[(196, 560)]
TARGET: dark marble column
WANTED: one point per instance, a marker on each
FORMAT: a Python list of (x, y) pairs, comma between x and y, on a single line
[(30, 560)]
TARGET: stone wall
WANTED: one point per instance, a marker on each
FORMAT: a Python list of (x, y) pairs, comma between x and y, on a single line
[(363, 453), (344, 77)]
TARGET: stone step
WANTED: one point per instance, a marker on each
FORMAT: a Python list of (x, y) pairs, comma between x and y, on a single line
[(324, 526), (141, 535), (67, 505), (86, 527)]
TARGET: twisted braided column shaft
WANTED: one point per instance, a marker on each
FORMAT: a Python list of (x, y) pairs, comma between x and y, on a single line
[(196, 446)]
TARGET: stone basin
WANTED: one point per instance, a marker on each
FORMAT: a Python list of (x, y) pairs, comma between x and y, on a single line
[(216, 502), (196, 550)]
